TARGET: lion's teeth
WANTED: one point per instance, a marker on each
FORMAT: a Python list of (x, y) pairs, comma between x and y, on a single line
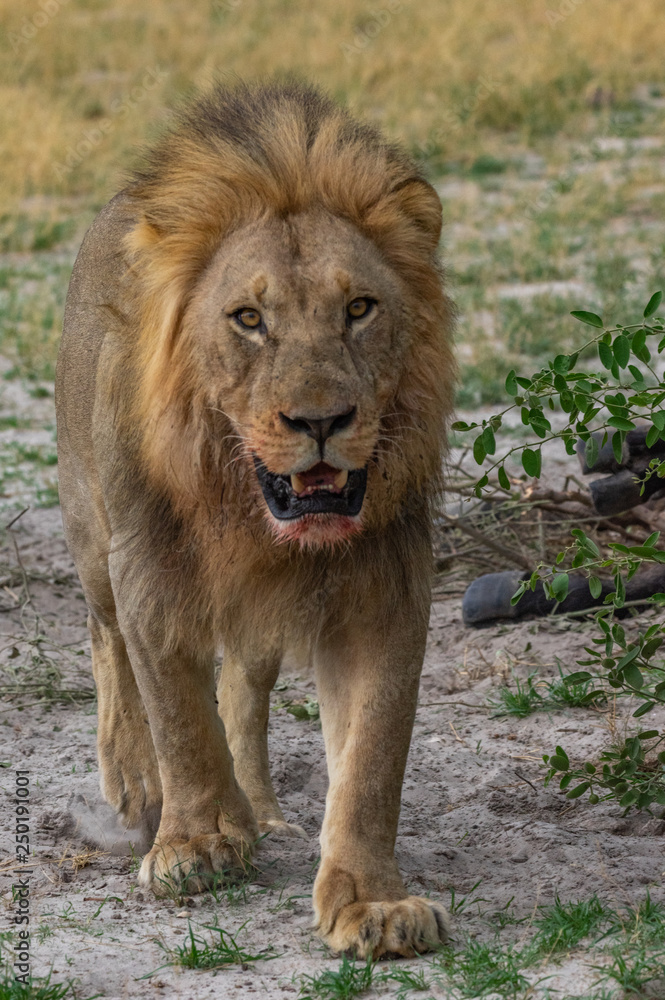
[(297, 484), (341, 479)]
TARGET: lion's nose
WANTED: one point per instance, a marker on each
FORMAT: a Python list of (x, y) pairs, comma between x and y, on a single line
[(319, 428)]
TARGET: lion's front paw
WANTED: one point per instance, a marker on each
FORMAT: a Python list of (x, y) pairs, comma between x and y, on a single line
[(130, 779), (191, 865), (406, 927)]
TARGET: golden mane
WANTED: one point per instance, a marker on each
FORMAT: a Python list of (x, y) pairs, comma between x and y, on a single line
[(242, 154)]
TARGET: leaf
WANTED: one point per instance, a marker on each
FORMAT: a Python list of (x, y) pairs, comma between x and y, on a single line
[(559, 763), (595, 586), (578, 677), (299, 711), (591, 319), (531, 462), (511, 383), (621, 423), (578, 790), (479, 452), (630, 797), (651, 647), (633, 676), (617, 447), (628, 657), (539, 423), (647, 734), (519, 593), (480, 485), (643, 709), (643, 354), (638, 342), (621, 350), (652, 436), (605, 355), (643, 551), (560, 586), (489, 441), (591, 452), (652, 304), (504, 481), (567, 401), (561, 364)]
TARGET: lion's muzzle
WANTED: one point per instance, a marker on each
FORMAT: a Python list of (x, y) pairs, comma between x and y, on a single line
[(319, 490)]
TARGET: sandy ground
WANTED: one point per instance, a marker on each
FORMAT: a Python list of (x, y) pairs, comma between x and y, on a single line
[(474, 811)]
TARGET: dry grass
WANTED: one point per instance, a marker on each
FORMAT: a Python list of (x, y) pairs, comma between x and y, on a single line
[(431, 72)]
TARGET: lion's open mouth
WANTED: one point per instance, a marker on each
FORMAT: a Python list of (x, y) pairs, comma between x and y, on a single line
[(319, 490)]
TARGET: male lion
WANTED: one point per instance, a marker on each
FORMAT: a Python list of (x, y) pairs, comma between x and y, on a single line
[(253, 387)]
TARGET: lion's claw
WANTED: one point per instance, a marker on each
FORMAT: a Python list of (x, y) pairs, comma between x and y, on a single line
[(280, 828)]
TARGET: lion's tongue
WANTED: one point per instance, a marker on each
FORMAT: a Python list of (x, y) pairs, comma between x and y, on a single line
[(319, 477)]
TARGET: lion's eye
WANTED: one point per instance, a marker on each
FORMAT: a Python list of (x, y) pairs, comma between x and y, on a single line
[(250, 318), (359, 308)]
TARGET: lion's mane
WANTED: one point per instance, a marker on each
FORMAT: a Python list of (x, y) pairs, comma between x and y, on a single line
[(233, 157)]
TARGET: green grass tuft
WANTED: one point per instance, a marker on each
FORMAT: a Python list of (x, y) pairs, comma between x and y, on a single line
[(562, 926), (220, 951), (351, 979)]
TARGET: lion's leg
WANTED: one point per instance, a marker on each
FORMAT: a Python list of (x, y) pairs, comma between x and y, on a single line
[(207, 824), (244, 704), (367, 675), (129, 772)]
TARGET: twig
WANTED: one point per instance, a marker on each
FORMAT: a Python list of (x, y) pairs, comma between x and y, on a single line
[(464, 704), (28, 595), (512, 556), (15, 519), (640, 602), (521, 776)]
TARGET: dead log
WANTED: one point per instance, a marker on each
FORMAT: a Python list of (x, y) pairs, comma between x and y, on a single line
[(634, 450), (620, 492), (487, 598)]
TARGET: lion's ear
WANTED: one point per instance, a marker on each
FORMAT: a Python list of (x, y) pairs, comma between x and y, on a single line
[(420, 203)]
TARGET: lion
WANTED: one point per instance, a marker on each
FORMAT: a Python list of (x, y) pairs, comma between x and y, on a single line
[(253, 390)]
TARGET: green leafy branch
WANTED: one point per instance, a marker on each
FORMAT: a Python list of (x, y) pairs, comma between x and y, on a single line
[(582, 396), (610, 399)]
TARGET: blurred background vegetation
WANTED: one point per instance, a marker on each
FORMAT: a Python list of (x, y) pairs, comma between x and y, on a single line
[(539, 121), (452, 76)]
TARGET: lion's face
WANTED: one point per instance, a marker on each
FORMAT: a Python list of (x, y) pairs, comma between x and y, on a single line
[(301, 336)]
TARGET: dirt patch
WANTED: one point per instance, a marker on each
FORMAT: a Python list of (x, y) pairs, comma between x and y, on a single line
[(475, 816)]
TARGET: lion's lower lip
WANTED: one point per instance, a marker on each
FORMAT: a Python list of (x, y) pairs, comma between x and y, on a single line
[(287, 504)]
